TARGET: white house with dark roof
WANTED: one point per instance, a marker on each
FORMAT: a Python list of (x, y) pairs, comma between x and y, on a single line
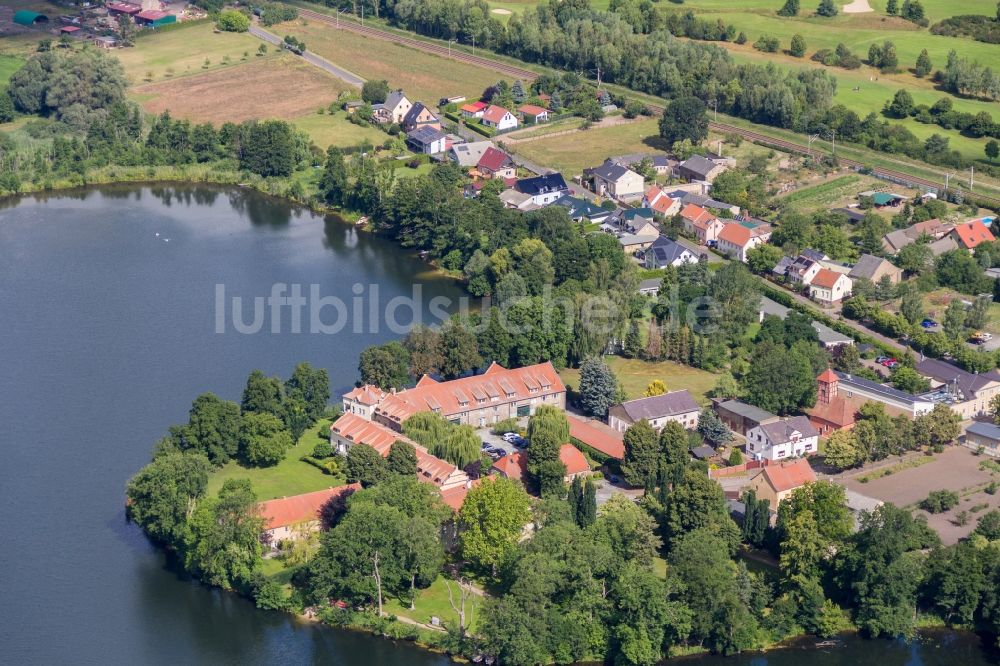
[(618, 182), (543, 190), (467, 155), (700, 168), (672, 252), (782, 439), (658, 410), (875, 268), (393, 109)]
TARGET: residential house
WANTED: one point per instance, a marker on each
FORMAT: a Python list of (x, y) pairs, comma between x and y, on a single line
[(581, 210), (393, 109), (650, 287), (428, 140), (617, 182), (985, 436), (518, 200), (827, 336), (362, 400), (532, 113), (632, 220), (419, 117), (295, 517), (467, 155), (499, 118), (657, 200), (740, 417), (701, 224), (968, 394), (673, 252), (633, 243), (970, 234), (875, 268), (480, 400), (775, 483), (351, 429), (700, 168), (661, 164), (515, 465), (802, 270), (676, 406), (473, 110), (833, 411), (829, 287), (778, 440), (853, 215), (934, 230), (906, 403), (495, 163), (704, 201), (594, 434), (735, 240), (543, 190)]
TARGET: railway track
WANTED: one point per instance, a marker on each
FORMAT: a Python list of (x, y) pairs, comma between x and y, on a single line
[(528, 75)]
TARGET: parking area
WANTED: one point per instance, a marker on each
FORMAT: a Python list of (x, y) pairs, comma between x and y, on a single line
[(497, 441)]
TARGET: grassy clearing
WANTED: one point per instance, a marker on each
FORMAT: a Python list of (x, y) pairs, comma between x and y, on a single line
[(184, 51), (433, 602), (278, 87), (571, 153), (889, 471), (335, 130), (635, 376), (289, 477), (544, 129), (824, 194), (423, 76), (8, 65)]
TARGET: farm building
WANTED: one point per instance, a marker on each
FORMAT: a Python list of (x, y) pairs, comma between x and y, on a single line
[(154, 18), (29, 18)]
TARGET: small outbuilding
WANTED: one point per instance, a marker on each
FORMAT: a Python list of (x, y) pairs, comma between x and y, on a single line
[(29, 18)]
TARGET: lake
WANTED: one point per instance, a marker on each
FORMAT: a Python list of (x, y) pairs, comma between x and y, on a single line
[(108, 330)]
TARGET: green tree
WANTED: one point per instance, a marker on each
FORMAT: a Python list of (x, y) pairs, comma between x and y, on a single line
[(939, 501), (386, 366), (642, 455), (992, 150), (587, 510), (798, 46), (912, 306), (365, 465), (127, 30), (161, 495), (459, 348), (231, 20), (901, 105), (262, 394), (711, 427), (548, 430), (892, 7), (213, 428), (675, 452), (633, 347), (402, 459), (756, 517), (312, 386), (598, 387), (492, 518), (779, 380), (375, 91), (762, 258), (826, 8), (697, 501), (263, 439), (790, 8), (924, 66), (424, 346), (841, 450), (803, 548), (268, 148), (954, 319), (222, 544), (684, 118), (334, 184)]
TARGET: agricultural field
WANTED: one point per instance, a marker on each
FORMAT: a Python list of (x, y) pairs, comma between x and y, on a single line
[(277, 87), (570, 153), (636, 375), (193, 49), (423, 76), (835, 191)]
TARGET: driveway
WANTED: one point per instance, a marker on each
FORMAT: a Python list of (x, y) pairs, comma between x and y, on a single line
[(311, 58)]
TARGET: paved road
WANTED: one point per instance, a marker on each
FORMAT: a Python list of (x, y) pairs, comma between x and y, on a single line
[(311, 58)]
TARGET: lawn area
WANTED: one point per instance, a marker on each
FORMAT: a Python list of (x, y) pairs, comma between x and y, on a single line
[(635, 376), (183, 51), (433, 602), (825, 194), (335, 130), (423, 76), (8, 65), (289, 477), (936, 302), (572, 152), (281, 86)]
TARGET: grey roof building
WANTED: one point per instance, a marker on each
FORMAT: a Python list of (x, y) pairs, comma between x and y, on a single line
[(740, 417), (658, 410), (467, 154), (672, 252), (781, 432), (965, 385)]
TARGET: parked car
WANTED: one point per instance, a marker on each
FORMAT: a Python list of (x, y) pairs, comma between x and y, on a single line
[(881, 359), (928, 323), (889, 362), (980, 337), (510, 436), (519, 442)]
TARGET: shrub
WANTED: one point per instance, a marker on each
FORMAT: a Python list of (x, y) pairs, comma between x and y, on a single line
[(231, 20), (939, 501), (507, 425)]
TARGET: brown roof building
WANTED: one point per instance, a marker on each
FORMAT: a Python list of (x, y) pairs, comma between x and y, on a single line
[(290, 518)]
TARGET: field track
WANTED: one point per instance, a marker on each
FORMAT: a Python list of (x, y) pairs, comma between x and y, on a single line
[(528, 75)]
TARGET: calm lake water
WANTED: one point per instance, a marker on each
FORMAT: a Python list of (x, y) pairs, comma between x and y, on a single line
[(107, 332)]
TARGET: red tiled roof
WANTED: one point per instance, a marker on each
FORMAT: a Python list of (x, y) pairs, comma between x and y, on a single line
[(298, 508), (475, 107), (513, 466), (788, 476), (151, 14), (360, 430), (455, 496), (698, 215), (369, 394), (828, 377), (597, 435), (841, 412), (972, 234), (826, 278), (124, 7), (532, 109), (494, 113), (494, 159), (736, 234), (575, 461), (465, 394)]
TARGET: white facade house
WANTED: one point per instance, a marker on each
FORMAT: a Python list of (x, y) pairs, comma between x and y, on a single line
[(829, 287), (658, 410), (782, 439), (499, 118)]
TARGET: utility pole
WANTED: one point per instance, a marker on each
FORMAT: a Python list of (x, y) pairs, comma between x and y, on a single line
[(947, 177), (810, 139), (339, 12), (833, 140), (715, 108), (362, 16), (972, 171), (449, 47), (720, 148), (473, 45), (598, 78)]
